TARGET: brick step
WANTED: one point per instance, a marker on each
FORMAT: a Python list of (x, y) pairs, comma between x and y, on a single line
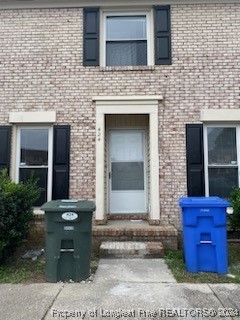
[(135, 231), (131, 249)]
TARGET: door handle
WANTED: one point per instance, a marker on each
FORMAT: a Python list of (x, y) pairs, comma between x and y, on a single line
[(109, 175)]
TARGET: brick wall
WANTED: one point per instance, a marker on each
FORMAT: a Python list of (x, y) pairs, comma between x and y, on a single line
[(41, 69)]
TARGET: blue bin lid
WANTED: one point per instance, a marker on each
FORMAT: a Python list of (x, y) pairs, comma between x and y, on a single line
[(203, 202)]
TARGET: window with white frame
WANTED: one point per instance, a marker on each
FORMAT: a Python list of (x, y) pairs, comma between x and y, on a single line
[(126, 39), (34, 157), (222, 153)]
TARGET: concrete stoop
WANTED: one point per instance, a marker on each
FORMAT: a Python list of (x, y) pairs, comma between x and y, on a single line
[(131, 249)]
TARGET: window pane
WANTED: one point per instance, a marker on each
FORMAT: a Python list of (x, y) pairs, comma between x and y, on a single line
[(41, 175), (127, 176), (126, 28), (34, 147), (126, 53), (127, 146), (222, 146), (222, 181)]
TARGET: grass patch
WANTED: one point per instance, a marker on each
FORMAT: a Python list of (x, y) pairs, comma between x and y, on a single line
[(18, 270), (22, 271), (175, 262)]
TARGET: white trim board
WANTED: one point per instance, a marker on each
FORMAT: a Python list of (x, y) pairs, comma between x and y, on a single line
[(124, 106), (26, 4), (224, 115), (32, 117), (129, 99)]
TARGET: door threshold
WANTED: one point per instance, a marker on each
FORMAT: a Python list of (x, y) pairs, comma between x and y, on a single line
[(129, 217), (129, 224)]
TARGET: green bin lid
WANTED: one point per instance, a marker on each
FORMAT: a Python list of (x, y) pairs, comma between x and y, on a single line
[(69, 205)]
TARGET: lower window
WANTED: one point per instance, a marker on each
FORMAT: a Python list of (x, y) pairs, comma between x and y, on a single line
[(34, 157), (222, 152)]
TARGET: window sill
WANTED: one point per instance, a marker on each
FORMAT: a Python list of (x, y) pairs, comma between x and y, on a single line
[(127, 68)]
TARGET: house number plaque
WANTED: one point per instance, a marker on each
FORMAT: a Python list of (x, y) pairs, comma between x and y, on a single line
[(99, 134), (69, 216)]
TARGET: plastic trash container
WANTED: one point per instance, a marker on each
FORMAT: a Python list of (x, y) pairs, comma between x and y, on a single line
[(68, 226), (204, 221)]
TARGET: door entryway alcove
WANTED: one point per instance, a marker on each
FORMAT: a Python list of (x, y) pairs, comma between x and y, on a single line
[(142, 162)]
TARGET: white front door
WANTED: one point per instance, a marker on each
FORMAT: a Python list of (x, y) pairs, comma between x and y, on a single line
[(127, 178)]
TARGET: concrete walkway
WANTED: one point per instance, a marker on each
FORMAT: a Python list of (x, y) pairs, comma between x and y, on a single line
[(122, 289)]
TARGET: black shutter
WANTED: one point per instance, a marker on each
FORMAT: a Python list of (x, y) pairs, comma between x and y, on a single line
[(162, 32), (61, 159), (195, 160), (5, 147), (91, 37)]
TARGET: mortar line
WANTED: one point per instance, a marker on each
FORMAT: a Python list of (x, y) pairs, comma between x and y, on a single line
[(219, 300), (50, 306)]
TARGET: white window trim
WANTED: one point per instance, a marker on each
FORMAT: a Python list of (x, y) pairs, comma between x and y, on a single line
[(150, 31), (32, 117), (50, 155), (127, 105), (205, 144)]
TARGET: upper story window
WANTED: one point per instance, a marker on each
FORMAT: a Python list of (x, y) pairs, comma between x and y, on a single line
[(126, 39)]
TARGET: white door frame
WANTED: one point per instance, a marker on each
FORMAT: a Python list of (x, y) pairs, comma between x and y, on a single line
[(127, 105), (144, 166)]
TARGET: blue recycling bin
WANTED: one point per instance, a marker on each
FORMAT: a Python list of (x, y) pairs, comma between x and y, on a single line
[(204, 221)]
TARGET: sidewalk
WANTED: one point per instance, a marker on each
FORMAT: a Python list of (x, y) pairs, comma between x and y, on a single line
[(122, 289)]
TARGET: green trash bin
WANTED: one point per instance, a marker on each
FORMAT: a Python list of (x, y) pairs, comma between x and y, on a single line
[(68, 227)]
